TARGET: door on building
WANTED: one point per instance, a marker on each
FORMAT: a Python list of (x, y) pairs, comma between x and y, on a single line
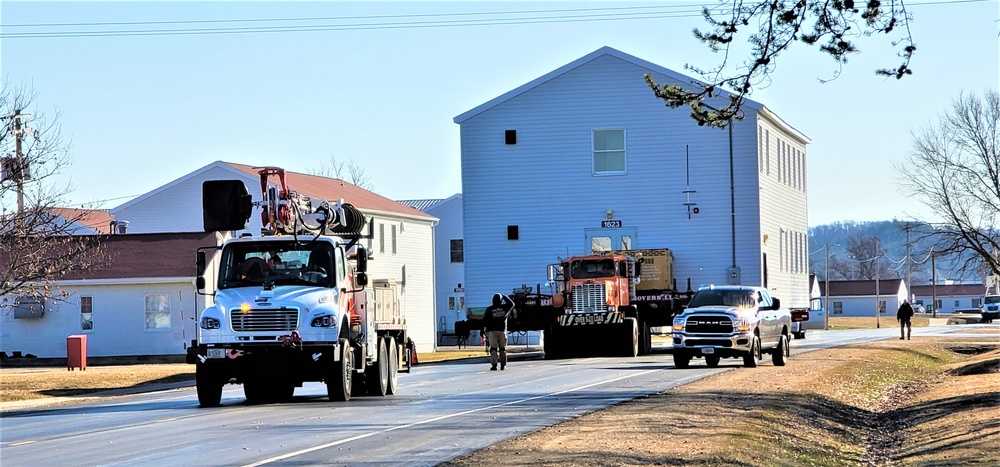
[(610, 239)]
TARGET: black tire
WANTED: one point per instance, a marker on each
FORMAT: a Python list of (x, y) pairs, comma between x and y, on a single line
[(645, 339), (377, 376), (283, 392), (393, 360), (781, 353), (256, 392), (800, 335), (209, 386), (753, 356), (340, 379), (630, 338), (712, 361), (681, 359), (552, 344)]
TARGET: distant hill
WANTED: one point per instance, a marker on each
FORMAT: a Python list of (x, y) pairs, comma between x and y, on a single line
[(892, 234)]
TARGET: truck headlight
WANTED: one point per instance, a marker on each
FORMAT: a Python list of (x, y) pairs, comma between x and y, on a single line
[(678, 325), (210, 323), (744, 328), (326, 321)]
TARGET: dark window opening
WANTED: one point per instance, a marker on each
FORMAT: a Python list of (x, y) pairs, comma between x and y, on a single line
[(512, 232), (457, 251)]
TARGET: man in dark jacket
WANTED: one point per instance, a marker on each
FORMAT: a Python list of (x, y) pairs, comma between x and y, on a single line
[(903, 316), (495, 329)]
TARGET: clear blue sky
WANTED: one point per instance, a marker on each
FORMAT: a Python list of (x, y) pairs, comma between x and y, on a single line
[(141, 111)]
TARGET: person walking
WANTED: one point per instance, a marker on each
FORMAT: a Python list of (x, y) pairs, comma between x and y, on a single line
[(903, 315), (495, 329)]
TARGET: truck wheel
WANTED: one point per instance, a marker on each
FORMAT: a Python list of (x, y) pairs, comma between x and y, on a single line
[(753, 356), (393, 361), (645, 339), (209, 386), (630, 337), (552, 344), (283, 392), (256, 392), (681, 359), (338, 382), (782, 352), (712, 361), (800, 335), (377, 376)]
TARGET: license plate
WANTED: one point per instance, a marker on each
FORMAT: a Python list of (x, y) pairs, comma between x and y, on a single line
[(216, 353), (708, 351)]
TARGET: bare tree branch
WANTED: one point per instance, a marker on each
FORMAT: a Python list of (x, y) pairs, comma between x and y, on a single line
[(831, 25), (351, 172)]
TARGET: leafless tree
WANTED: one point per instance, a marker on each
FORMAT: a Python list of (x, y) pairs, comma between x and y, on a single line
[(774, 26), (348, 171), (954, 168), (37, 246)]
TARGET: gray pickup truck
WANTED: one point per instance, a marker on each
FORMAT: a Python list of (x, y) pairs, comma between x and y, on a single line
[(732, 322)]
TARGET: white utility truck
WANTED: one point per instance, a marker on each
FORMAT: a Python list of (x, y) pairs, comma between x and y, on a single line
[(294, 304)]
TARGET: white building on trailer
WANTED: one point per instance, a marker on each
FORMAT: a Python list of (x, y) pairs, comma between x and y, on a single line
[(143, 302), (585, 158), (402, 242)]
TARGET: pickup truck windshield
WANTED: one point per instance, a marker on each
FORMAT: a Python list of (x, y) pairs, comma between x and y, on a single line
[(992, 299), (277, 263), (716, 297), (592, 269)]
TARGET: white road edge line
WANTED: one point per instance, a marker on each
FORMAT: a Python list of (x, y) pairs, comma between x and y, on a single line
[(439, 418)]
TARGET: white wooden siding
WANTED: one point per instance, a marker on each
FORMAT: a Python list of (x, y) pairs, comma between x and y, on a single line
[(448, 274), (119, 322), (414, 241)]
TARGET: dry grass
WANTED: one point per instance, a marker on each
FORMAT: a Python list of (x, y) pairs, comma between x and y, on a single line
[(870, 322), (927, 402)]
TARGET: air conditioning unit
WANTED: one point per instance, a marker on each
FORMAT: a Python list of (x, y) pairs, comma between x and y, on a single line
[(28, 308)]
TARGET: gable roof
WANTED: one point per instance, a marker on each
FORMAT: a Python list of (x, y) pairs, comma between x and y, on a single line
[(651, 67), (420, 204), (862, 288), (144, 255), (98, 220), (949, 290), (313, 186), (332, 189)]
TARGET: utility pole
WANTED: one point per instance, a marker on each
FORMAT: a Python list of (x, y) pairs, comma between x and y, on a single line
[(933, 284), (826, 301), (878, 309), (19, 167), (909, 285)]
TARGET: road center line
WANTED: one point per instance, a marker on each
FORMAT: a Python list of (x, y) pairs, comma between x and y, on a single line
[(439, 418)]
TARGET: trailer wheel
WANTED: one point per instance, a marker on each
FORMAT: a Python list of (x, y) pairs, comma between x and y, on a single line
[(338, 382), (681, 359), (781, 353), (645, 339), (256, 392), (393, 361), (551, 344), (712, 361), (630, 337), (209, 386), (753, 356), (377, 376)]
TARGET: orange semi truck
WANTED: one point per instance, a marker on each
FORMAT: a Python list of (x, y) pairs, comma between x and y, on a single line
[(611, 299)]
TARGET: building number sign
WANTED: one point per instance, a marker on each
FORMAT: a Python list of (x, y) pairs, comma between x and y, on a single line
[(611, 224)]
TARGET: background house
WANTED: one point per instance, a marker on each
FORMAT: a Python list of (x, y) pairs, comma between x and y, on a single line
[(142, 302), (950, 297), (401, 243), (859, 298), (585, 158)]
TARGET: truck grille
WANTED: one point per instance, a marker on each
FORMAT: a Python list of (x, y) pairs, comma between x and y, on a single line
[(589, 298), (264, 320), (709, 325)]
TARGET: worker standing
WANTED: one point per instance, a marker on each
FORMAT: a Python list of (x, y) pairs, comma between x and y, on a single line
[(495, 329)]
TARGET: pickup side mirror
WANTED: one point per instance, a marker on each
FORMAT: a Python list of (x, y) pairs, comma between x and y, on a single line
[(775, 303)]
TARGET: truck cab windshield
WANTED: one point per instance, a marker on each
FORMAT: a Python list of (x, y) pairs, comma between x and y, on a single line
[(992, 299), (592, 269), (277, 263)]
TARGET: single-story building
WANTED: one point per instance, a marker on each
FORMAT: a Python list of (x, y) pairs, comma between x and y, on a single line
[(861, 297), (950, 297)]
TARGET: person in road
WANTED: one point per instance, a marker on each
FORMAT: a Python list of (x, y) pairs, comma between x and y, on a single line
[(495, 329), (903, 315)]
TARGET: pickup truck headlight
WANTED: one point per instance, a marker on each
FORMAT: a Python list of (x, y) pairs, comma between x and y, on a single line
[(326, 321), (678, 325), (210, 323)]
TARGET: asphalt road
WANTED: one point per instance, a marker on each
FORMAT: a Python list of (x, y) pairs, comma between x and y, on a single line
[(443, 411)]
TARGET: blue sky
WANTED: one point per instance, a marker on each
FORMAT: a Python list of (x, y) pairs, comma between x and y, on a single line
[(141, 111)]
